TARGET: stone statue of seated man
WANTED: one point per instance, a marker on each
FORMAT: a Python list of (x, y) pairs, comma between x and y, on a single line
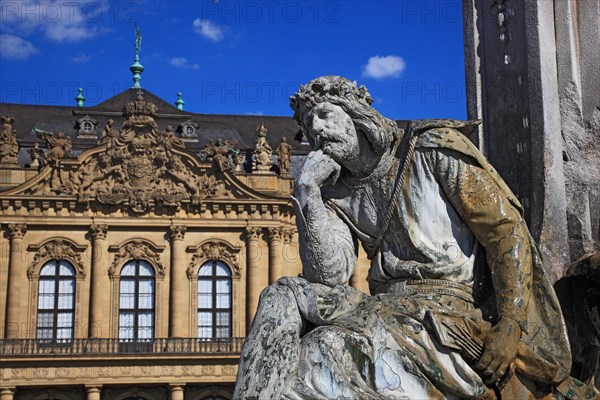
[(460, 305)]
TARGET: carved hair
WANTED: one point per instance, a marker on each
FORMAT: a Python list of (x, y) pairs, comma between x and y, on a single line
[(355, 101)]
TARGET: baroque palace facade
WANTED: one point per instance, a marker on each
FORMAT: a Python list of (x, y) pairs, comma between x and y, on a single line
[(136, 240)]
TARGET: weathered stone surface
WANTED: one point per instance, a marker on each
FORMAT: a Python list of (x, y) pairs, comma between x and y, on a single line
[(442, 322)]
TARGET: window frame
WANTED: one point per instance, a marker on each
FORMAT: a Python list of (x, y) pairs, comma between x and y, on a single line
[(214, 310), (57, 278), (136, 278)]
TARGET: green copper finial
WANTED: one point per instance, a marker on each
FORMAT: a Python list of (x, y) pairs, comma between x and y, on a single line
[(80, 99), (179, 103), (137, 68)]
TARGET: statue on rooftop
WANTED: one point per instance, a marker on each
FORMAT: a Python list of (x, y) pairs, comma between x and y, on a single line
[(37, 157), (9, 148), (284, 152), (460, 304), (262, 151)]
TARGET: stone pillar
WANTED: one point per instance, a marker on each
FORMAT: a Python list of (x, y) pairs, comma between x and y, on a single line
[(179, 313), (511, 72), (100, 285), (93, 392), (18, 292), (7, 394), (275, 253), (256, 278), (176, 392)]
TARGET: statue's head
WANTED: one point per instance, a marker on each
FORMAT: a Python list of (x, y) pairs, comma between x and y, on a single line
[(60, 135), (353, 100)]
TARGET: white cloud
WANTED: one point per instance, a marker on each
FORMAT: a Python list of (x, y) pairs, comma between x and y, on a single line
[(81, 58), (182, 62), (208, 29), (254, 113), (15, 48), (59, 21), (380, 67)]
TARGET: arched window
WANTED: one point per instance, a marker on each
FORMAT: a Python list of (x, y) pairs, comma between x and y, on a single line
[(136, 301), (214, 301), (56, 301)]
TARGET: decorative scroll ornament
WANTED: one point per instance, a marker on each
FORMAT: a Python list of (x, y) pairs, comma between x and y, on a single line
[(253, 232), (58, 249), (99, 231), (216, 251), (136, 250)]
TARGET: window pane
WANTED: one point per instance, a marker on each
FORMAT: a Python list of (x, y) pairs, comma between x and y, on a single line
[(222, 269), (223, 286), (205, 332), (66, 294), (205, 319), (64, 320), (128, 269), (205, 294), (206, 269), (126, 319), (48, 269), (46, 294), (146, 269), (64, 333), (125, 333), (223, 301), (222, 333), (66, 269), (44, 333), (223, 318), (127, 301), (45, 320)]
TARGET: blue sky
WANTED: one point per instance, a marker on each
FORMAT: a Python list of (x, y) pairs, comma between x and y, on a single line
[(236, 57)]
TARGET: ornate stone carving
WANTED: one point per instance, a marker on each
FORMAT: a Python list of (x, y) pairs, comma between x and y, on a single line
[(17, 231), (37, 156), (262, 151), (222, 153), (9, 148), (87, 127), (284, 152), (99, 231), (215, 251), (57, 249), (59, 147), (276, 233), (136, 250), (139, 169), (253, 233), (288, 235), (177, 232)]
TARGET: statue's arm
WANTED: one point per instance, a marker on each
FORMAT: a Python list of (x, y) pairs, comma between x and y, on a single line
[(327, 247), (499, 227)]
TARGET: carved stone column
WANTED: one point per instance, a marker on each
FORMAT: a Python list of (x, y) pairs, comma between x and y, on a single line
[(179, 297), (17, 283), (93, 392), (176, 392), (100, 285), (256, 278), (7, 394), (275, 253)]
